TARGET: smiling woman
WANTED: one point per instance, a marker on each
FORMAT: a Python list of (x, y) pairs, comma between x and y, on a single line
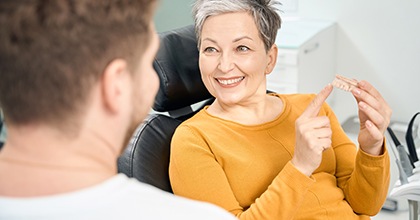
[(234, 63), (273, 156)]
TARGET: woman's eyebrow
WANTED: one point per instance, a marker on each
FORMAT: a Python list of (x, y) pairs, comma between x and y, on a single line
[(242, 38), (234, 40), (209, 39)]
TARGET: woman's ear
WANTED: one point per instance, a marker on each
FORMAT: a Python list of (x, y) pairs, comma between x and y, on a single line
[(114, 84), (272, 59)]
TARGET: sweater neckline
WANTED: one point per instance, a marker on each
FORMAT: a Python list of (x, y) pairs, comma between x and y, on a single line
[(280, 118)]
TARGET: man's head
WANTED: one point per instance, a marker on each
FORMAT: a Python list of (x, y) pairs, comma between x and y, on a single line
[(52, 52)]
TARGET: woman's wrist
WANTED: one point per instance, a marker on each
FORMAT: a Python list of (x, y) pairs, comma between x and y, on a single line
[(374, 150)]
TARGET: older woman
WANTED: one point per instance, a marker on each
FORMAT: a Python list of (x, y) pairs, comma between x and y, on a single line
[(273, 156)]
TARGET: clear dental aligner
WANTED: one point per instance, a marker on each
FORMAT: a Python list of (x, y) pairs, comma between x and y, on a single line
[(344, 83)]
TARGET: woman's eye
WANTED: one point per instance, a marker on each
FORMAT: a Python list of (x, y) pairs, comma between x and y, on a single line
[(243, 48), (210, 50)]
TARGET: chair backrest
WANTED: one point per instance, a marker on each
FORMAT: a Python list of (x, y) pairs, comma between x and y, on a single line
[(146, 158), (1, 130)]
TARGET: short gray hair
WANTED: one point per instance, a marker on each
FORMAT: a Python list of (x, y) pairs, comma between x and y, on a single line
[(265, 15)]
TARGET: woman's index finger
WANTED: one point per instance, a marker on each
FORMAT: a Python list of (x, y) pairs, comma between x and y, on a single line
[(313, 108)]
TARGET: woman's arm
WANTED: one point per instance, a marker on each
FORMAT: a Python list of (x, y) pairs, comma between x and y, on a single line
[(363, 178), (195, 173)]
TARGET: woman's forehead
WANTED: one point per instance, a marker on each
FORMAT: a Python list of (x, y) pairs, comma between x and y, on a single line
[(233, 25)]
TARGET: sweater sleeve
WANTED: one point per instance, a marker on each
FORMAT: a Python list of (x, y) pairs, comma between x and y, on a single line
[(195, 173), (367, 188), (363, 178)]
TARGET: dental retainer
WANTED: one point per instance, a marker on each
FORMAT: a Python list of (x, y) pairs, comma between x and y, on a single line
[(344, 83)]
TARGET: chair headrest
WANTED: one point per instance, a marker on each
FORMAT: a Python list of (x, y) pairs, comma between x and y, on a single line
[(176, 64)]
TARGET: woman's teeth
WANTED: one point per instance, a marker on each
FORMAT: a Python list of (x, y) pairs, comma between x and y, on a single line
[(230, 81)]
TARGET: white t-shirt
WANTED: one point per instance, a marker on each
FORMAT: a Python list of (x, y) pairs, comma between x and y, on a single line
[(117, 198)]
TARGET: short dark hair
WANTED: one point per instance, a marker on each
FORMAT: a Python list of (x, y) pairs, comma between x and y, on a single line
[(53, 51)]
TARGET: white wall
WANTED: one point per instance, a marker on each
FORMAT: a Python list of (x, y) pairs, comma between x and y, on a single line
[(377, 40)]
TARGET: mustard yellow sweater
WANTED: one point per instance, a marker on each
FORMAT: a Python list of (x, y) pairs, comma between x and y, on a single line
[(247, 169)]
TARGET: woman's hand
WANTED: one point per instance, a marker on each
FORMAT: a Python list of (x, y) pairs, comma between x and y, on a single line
[(313, 135), (374, 116)]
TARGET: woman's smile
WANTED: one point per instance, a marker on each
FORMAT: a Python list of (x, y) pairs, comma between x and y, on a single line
[(230, 82)]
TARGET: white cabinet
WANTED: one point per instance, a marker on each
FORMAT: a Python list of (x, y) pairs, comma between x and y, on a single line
[(306, 57)]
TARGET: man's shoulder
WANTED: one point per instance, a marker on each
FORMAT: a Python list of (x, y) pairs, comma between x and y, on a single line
[(117, 198), (169, 206)]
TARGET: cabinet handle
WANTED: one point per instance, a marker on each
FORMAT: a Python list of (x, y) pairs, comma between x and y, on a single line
[(312, 48)]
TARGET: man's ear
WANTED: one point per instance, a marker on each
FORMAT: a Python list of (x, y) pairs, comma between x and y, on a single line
[(114, 84), (272, 59)]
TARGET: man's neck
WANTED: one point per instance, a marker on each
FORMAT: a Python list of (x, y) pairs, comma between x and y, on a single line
[(40, 160)]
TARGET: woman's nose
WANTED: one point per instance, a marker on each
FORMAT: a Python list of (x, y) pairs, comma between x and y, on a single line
[(226, 63)]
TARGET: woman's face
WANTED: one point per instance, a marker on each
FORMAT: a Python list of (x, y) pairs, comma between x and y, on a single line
[(233, 60)]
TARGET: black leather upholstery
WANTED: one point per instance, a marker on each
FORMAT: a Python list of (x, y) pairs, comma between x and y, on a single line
[(177, 66), (1, 129), (147, 155)]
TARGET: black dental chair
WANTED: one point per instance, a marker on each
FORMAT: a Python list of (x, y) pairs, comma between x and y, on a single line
[(147, 155), (1, 129)]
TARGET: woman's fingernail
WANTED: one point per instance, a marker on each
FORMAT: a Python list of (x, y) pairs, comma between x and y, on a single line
[(325, 88), (362, 105), (356, 91)]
